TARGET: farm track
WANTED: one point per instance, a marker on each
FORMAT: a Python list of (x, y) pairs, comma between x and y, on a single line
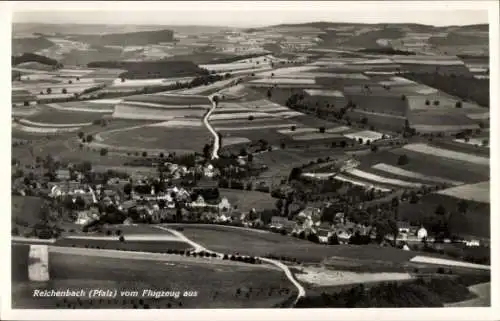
[(216, 147), (283, 267)]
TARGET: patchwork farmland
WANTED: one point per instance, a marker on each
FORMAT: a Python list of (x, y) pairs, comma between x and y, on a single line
[(281, 166)]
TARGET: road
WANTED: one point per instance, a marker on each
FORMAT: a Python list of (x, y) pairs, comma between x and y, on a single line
[(283, 267), (216, 147)]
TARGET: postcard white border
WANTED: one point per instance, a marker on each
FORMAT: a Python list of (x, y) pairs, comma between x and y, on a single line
[(249, 314)]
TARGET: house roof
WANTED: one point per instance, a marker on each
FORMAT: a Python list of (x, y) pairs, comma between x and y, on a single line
[(402, 224), (322, 233)]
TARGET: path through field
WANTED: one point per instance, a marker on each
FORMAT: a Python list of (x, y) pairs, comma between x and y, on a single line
[(216, 147), (280, 265)]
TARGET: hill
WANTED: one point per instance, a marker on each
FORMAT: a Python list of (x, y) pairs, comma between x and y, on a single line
[(31, 57), (140, 38), (23, 45), (458, 39)]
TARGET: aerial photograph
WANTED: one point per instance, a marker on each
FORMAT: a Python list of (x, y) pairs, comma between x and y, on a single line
[(162, 160)]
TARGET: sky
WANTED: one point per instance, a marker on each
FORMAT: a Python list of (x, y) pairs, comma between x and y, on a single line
[(250, 14)]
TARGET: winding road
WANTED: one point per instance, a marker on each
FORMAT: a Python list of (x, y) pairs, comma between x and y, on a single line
[(216, 147), (283, 267)]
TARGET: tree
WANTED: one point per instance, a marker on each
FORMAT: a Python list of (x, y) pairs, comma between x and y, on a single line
[(64, 91), (436, 102), (322, 130), (403, 160), (206, 151), (343, 144), (103, 152), (364, 120), (462, 206), (269, 94), (26, 103), (279, 205), (293, 128), (122, 79), (70, 81), (251, 117), (162, 155), (403, 97), (485, 142), (374, 148), (440, 210), (49, 91), (89, 138), (144, 154), (77, 78), (427, 102), (250, 158), (81, 135), (458, 104)]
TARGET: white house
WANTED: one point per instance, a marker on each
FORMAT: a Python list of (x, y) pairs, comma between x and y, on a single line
[(200, 202), (421, 233), (224, 205)]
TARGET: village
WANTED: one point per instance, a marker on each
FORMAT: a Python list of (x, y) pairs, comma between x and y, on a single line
[(79, 198)]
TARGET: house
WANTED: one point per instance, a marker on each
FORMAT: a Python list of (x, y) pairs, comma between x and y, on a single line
[(200, 202), (224, 205), (323, 236), (403, 227), (63, 174), (85, 217), (279, 222), (343, 236), (422, 233)]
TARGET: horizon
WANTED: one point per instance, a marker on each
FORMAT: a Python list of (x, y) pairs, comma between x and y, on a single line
[(247, 14), (263, 26)]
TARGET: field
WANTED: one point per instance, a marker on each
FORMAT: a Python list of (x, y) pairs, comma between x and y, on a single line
[(476, 222), (246, 287), (170, 99), (156, 137), (319, 277), (112, 243), (434, 166), (227, 240), (25, 211), (133, 111), (246, 200), (386, 104), (447, 154), (479, 192), (53, 117), (381, 179), (412, 175)]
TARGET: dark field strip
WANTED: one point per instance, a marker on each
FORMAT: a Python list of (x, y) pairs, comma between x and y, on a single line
[(170, 100), (141, 246)]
